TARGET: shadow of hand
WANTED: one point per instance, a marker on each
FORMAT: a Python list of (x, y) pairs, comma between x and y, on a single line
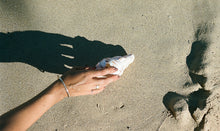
[(53, 52)]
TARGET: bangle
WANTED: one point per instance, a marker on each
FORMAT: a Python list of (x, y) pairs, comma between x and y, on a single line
[(67, 91)]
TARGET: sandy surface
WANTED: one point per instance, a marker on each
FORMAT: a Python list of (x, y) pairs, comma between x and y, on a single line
[(176, 44)]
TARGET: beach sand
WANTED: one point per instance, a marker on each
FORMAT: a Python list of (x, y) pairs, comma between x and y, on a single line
[(173, 84)]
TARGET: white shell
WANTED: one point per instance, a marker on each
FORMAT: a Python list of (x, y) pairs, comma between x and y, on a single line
[(119, 62)]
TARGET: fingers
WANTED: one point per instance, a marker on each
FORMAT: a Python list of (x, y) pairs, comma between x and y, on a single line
[(103, 72), (96, 91), (103, 82), (106, 81), (111, 79)]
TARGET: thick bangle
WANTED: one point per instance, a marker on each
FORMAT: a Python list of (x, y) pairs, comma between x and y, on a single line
[(67, 91)]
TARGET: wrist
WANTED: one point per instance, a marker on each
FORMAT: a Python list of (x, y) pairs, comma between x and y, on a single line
[(58, 90)]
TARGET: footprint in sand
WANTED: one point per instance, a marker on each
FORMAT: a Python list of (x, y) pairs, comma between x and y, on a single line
[(190, 111), (196, 60), (177, 105)]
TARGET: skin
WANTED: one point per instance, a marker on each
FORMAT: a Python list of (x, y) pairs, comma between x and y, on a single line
[(80, 82)]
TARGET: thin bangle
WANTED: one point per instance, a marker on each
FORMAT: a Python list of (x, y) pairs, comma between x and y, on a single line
[(67, 91)]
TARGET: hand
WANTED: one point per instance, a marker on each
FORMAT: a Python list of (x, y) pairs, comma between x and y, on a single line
[(84, 82)]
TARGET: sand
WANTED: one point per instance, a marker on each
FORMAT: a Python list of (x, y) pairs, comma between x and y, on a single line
[(173, 84)]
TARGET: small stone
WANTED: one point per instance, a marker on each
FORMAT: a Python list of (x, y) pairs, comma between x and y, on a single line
[(122, 106)]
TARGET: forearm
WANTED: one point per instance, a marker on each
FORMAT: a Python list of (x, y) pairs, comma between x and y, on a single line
[(82, 82), (22, 117)]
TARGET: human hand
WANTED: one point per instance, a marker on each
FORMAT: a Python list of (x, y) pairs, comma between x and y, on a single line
[(84, 82)]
